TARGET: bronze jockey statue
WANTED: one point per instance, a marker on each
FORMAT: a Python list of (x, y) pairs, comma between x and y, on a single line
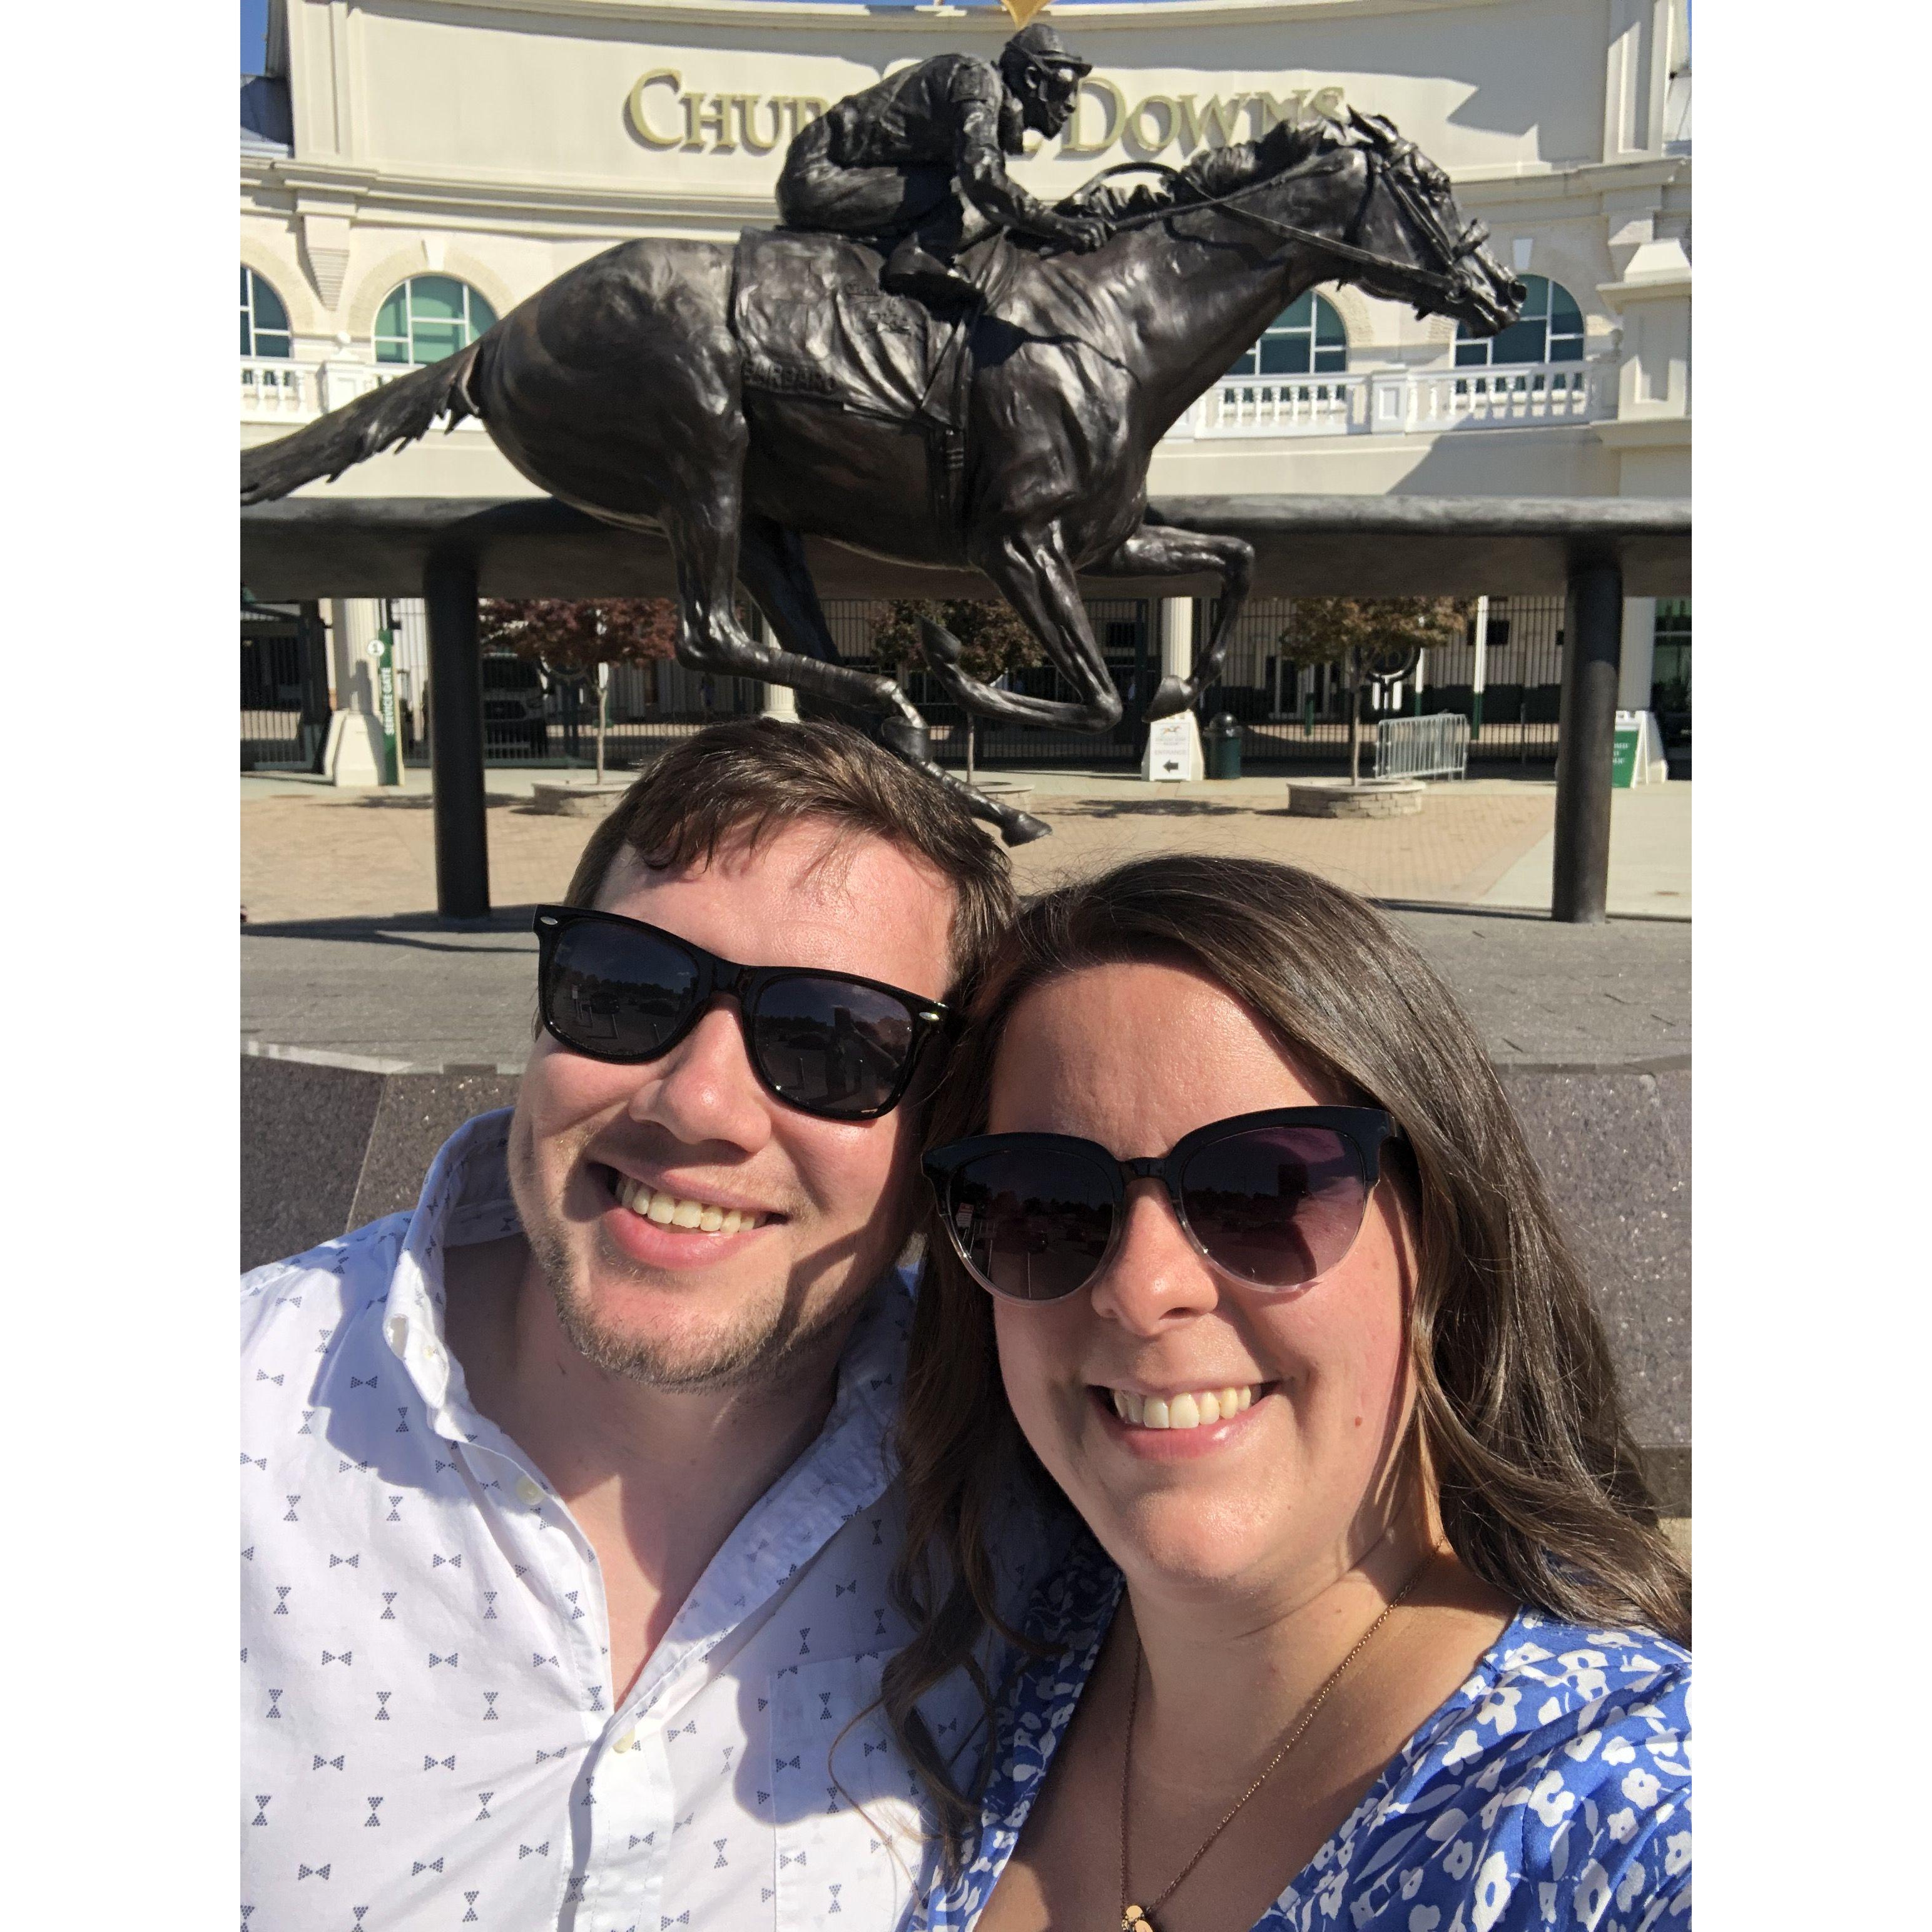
[(918, 160)]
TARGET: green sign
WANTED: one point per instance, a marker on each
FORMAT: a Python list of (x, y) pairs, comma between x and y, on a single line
[(1623, 754), (383, 650)]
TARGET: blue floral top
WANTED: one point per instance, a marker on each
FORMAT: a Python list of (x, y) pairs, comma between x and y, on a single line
[(1553, 1789)]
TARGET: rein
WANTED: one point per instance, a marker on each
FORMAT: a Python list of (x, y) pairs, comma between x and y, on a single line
[(1379, 172)]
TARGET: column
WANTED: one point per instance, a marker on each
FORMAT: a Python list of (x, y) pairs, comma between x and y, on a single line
[(1593, 638), (353, 622), (456, 740), (1640, 653), (1480, 669), (780, 700)]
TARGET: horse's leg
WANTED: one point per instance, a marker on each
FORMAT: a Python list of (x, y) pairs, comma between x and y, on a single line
[(706, 539), (771, 563), (772, 567), (1158, 549), (1033, 573)]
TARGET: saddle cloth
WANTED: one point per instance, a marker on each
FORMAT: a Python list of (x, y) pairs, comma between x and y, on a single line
[(812, 321)]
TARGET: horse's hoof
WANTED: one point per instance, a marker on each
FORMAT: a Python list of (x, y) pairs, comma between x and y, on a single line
[(1176, 694), (1021, 828)]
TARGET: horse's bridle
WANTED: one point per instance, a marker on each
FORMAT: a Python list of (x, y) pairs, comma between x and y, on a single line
[(1392, 169)]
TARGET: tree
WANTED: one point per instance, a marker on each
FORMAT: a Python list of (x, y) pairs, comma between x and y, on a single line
[(577, 639), (993, 641), (1370, 637)]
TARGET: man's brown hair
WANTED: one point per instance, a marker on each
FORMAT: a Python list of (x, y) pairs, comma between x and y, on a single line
[(736, 782)]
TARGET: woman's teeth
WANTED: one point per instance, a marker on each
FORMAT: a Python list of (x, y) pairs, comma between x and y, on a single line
[(1182, 1412), (675, 1211)]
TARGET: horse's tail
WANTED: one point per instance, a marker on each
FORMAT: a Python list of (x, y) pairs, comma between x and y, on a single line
[(398, 412)]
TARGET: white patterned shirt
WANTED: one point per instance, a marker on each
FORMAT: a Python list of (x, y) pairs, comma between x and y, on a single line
[(429, 1738)]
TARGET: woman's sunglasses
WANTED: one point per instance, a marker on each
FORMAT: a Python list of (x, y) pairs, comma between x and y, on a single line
[(1274, 1199), (826, 1043)]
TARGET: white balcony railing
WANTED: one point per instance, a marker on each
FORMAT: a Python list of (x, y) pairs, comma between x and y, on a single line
[(274, 391), (278, 390), (1471, 398), (1284, 406), (1402, 402)]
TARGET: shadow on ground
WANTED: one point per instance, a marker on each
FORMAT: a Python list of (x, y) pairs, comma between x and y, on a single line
[(419, 931)]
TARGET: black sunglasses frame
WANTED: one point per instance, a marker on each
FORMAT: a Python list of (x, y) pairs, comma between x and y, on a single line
[(1362, 1129), (716, 975)]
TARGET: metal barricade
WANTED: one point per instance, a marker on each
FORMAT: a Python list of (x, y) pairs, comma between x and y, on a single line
[(1423, 748)]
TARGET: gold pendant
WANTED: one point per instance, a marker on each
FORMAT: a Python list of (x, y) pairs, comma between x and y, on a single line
[(1133, 1919)]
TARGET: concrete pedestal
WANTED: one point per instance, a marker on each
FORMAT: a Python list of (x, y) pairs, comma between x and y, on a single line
[(577, 801), (352, 754), (1336, 798)]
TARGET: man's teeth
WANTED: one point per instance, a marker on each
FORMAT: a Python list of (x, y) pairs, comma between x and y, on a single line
[(1182, 1412), (675, 1211)]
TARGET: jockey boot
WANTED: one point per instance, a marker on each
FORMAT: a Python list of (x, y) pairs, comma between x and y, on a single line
[(913, 270)]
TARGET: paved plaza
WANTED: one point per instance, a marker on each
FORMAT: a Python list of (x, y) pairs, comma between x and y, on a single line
[(343, 955), (310, 851)]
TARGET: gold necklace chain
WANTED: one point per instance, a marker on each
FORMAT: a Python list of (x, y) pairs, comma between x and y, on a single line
[(1137, 1918)]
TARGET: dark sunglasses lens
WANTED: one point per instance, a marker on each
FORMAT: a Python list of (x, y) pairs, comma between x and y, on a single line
[(1276, 1206), (831, 1046), (1032, 1226), (616, 992)]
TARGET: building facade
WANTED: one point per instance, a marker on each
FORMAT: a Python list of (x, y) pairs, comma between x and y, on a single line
[(411, 169)]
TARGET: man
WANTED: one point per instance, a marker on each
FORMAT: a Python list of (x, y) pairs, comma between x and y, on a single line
[(569, 1515), (919, 159)]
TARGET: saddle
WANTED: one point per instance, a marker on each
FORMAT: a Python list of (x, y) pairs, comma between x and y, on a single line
[(813, 323)]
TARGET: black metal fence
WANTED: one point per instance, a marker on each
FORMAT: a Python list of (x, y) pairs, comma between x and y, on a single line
[(284, 687), (1296, 716), (1292, 716)]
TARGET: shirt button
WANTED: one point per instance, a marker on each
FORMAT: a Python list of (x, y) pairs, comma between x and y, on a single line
[(527, 1491), (625, 1742)]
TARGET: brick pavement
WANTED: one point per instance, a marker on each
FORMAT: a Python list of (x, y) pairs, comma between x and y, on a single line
[(316, 854)]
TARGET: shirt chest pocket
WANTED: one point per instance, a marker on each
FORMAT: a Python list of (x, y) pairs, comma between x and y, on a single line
[(848, 1835)]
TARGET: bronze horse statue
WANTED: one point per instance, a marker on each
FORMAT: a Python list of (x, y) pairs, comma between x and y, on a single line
[(634, 388)]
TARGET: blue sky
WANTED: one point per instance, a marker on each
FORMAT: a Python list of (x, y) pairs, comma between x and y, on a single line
[(254, 31)]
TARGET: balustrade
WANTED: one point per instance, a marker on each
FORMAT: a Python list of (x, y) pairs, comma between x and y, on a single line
[(1400, 402)]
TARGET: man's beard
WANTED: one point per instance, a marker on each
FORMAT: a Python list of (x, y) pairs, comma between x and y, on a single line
[(758, 1352)]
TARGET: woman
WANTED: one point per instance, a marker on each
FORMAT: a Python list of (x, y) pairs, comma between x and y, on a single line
[(1239, 1247)]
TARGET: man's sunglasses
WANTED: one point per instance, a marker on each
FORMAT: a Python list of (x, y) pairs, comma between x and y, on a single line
[(1273, 1199), (826, 1043)]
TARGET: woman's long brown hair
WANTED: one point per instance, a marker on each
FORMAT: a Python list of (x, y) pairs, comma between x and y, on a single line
[(1518, 1419)]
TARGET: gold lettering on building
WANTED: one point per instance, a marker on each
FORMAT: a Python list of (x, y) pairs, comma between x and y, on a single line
[(1113, 107), (722, 124), (640, 123)]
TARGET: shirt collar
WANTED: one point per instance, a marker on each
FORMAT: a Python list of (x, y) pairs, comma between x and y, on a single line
[(466, 1197)]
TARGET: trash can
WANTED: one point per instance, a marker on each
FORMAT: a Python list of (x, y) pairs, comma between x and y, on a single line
[(1221, 744)]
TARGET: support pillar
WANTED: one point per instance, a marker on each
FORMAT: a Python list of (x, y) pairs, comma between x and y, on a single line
[(1593, 641), (1640, 653), (1481, 669), (777, 701), (456, 739)]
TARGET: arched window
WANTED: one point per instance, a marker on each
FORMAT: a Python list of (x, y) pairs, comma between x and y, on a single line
[(429, 317), (1550, 329), (265, 322), (1306, 339)]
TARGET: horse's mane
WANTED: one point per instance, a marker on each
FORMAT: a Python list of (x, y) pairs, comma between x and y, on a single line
[(1214, 172)]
